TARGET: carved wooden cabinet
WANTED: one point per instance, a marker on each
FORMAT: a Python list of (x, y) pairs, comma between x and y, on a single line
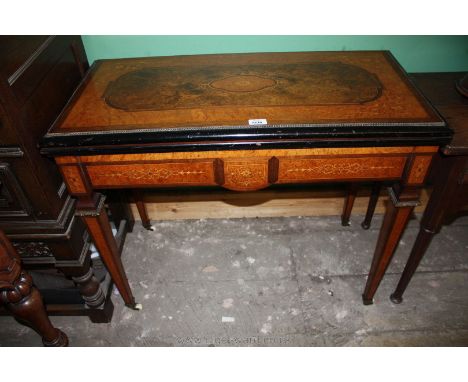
[(38, 75)]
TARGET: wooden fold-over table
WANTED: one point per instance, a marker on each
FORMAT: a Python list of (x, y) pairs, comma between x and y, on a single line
[(245, 122)]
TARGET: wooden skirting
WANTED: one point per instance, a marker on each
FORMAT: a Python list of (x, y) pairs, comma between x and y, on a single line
[(219, 204)]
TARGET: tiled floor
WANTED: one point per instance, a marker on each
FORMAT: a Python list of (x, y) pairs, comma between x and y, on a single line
[(275, 282)]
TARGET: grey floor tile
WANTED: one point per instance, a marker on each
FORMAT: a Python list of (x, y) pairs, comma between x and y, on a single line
[(276, 282)]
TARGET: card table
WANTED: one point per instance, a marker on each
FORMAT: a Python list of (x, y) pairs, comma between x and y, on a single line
[(244, 122)]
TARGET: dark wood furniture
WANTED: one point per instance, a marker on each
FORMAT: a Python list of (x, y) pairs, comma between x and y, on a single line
[(22, 299), (462, 85), (38, 75), (450, 171), (244, 122)]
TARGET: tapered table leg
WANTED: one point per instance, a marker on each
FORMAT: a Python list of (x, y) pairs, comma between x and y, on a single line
[(118, 203), (349, 202), (446, 185), (420, 246), (374, 197), (94, 215), (396, 217), (140, 204)]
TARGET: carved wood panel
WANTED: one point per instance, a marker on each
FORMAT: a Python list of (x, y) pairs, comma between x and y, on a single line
[(32, 249), (13, 201), (309, 169)]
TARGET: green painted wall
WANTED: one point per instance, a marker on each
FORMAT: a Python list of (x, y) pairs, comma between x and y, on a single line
[(415, 53)]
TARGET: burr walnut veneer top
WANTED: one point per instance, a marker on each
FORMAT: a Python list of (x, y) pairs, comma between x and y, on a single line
[(244, 101), (228, 90)]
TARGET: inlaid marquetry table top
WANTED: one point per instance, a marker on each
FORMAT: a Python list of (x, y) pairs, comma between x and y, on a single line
[(337, 96)]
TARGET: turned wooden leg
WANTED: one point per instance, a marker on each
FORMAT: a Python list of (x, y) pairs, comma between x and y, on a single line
[(374, 197), (349, 202), (22, 299), (94, 296), (93, 214), (90, 289), (446, 185), (398, 212), (82, 273), (24, 302), (139, 201)]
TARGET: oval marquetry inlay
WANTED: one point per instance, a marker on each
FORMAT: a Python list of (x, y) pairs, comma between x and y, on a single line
[(243, 83), (287, 84)]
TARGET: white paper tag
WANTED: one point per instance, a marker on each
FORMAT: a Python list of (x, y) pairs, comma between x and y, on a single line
[(227, 319), (255, 122)]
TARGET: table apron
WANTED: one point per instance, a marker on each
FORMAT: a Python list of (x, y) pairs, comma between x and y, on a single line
[(241, 174)]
